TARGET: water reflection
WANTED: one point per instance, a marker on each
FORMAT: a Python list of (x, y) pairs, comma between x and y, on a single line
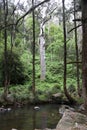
[(28, 119)]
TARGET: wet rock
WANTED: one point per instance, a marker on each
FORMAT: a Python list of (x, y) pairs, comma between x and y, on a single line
[(13, 129), (36, 108), (8, 109), (3, 109)]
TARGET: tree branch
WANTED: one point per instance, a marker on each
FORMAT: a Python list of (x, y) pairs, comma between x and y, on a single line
[(74, 62), (4, 27), (49, 16), (30, 10), (78, 20), (75, 28)]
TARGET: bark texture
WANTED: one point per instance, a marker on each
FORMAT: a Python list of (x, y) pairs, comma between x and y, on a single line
[(84, 51), (65, 56), (42, 51)]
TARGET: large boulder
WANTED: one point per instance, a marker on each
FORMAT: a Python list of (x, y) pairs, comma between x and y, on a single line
[(72, 121), (57, 97)]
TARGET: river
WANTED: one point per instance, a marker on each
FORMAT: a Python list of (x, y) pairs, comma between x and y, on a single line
[(27, 118)]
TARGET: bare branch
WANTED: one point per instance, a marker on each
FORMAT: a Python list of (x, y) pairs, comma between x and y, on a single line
[(75, 28), (49, 16), (30, 10), (4, 27), (78, 20), (74, 62), (14, 8)]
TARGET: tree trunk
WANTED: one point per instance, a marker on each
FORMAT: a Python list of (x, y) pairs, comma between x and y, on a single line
[(77, 56), (84, 51), (65, 56), (42, 51), (12, 43), (33, 83), (24, 39), (5, 8)]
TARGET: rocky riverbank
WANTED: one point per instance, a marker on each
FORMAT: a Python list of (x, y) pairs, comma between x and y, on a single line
[(71, 121)]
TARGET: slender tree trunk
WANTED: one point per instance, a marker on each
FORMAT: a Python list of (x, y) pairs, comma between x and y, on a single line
[(33, 83), (10, 68), (5, 49), (13, 33), (24, 39), (77, 56), (65, 56), (84, 51), (42, 52), (12, 43)]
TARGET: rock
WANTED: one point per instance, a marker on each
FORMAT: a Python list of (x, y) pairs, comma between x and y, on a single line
[(8, 109), (36, 108), (10, 98), (18, 104), (81, 107), (72, 121), (13, 129), (45, 129), (57, 95), (64, 107), (3, 109)]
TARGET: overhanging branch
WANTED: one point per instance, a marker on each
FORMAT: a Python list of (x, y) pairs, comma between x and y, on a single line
[(30, 10)]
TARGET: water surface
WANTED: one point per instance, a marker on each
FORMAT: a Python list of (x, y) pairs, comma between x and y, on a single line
[(28, 119)]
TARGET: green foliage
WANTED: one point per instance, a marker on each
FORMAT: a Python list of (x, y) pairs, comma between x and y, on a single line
[(20, 92), (71, 88), (20, 62), (16, 68), (55, 39), (29, 32), (27, 63)]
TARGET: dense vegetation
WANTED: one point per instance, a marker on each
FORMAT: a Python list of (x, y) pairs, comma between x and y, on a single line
[(16, 49)]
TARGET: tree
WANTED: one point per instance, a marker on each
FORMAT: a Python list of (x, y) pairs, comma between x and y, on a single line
[(84, 50), (65, 55), (77, 56), (54, 41), (33, 83), (15, 65), (44, 16), (5, 9)]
